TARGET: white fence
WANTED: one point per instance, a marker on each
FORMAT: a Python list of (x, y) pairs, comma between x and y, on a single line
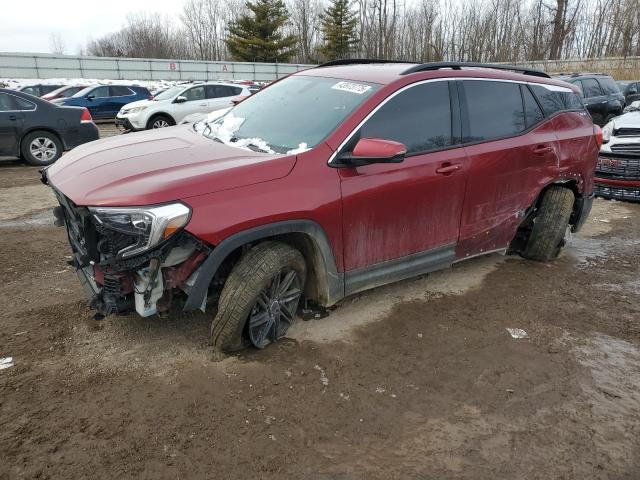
[(24, 65)]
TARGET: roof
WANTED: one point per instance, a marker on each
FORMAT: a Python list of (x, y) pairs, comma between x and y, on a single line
[(386, 73)]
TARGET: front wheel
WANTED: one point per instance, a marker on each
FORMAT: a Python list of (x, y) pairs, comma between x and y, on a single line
[(260, 297), (550, 224), (160, 121)]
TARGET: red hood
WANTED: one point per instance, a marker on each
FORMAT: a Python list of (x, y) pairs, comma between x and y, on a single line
[(159, 166)]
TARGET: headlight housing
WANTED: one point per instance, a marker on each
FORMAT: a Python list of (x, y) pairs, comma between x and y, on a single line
[(133, 110), (607, 131), (141, 228)]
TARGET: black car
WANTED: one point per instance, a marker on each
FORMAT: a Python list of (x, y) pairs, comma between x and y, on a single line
[(630, 89), (39, 131), (40, 89), (600, 93)]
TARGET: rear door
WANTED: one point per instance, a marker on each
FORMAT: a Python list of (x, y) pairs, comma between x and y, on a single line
[(595, 100), (220, 96), (10, 125), (511, 151), (119, 97), (391, 211)]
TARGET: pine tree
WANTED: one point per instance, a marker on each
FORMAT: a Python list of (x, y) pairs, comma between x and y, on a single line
[(338, 24), (256, 36)]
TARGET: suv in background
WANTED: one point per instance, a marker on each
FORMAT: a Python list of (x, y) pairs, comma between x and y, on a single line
[(105, 101), (331, 181), (630, 89), (601, 95), (173, 105)]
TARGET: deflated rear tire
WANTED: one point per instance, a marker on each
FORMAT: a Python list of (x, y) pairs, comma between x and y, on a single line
[(550, 224), (259, 300)]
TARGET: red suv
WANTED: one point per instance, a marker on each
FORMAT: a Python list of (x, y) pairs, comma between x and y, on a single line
[(329, 182)]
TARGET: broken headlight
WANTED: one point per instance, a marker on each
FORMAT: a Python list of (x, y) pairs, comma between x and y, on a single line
[(145, 226)]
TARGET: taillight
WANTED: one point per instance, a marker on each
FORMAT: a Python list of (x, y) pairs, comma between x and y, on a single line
[(597, 132), (86, 116)]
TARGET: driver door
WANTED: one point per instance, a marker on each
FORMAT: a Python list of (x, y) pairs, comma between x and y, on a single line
[(399, 218), (196, 103)]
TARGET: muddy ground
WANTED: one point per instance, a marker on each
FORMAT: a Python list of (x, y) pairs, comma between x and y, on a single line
[(418, 380)]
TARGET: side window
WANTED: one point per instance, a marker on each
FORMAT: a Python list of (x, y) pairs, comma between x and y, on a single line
[(550, 100), (578, 84), (532, 112), (235, 90), (419, 117), (120, 91), (22, 104), (99, 92), (608, 85), (572, 101), (195, 93), (495, 109), (5, 103), (591, 88)]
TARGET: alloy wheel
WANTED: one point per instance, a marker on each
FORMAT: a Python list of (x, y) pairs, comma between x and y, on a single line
[(274, 311), (43, 149), (160, 123)]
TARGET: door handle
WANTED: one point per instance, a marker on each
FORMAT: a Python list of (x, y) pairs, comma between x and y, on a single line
[(604, 101), (203, 104), (448, 168), (542, 149), (13, 118)]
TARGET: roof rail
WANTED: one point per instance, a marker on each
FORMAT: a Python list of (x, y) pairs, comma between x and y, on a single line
[(459, 65), (354, 61)]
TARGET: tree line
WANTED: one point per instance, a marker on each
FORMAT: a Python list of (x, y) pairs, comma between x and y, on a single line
[(311, 31)]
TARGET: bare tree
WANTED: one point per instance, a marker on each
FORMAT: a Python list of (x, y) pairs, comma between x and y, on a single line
[(57, 45)]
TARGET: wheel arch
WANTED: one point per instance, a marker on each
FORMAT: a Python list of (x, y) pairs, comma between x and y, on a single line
[(30, 130), (161, 114), (325, 285)]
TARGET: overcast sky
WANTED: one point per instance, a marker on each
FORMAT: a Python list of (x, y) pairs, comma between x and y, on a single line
[(26, 25)]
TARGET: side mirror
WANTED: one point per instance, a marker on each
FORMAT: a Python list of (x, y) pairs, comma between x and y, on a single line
[(236, 100), (633, 91), (180, 99), (373, 150), (90, 96)]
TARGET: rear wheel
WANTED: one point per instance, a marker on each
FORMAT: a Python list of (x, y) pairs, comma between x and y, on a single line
[(41, 148), (550, 224), (260, 297), (160, 121)]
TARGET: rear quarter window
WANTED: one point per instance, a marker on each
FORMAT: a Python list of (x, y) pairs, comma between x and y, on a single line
[(554, 100), (495, 110)]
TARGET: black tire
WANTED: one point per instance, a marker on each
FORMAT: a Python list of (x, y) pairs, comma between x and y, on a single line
[(550, 224), (50, 151), (160, 121), (250, 277)]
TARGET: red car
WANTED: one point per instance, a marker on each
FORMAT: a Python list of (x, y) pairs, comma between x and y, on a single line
[(329, 182), (63, 92)]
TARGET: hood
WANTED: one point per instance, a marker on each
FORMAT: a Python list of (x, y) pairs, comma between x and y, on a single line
[(159, 166), (627, 120), (140, 103)]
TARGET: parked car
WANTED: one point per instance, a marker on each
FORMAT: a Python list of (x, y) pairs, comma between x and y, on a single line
[(618, 169), (38, 131), (330, 181), (39, 89), (630, 89), (172, 105), (64, 92), (105, 101), (633, 107), (601, 94)]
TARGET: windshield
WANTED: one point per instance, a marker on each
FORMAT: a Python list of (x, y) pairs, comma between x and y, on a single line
[(83, 92), (290, 116), (168, 94)]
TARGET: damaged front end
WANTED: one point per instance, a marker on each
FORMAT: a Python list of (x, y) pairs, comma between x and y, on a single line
[(133, 258)]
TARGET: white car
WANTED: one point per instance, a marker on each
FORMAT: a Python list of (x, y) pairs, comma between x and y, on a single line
[(172, 105)]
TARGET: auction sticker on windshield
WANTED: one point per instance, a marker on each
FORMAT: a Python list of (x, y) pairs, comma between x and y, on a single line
[(358, 88)]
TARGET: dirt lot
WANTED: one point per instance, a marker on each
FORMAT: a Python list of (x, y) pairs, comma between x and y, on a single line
[(418, 380)]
